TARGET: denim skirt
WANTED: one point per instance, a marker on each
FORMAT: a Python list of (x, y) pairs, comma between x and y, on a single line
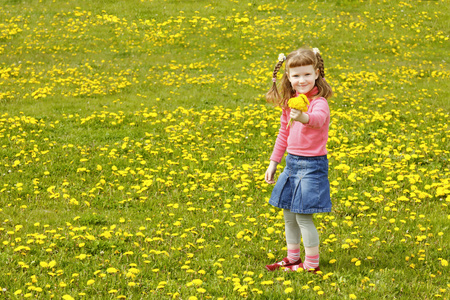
[(303, 187)]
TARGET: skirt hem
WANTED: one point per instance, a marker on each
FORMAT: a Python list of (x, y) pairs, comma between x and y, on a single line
[(304, 212)]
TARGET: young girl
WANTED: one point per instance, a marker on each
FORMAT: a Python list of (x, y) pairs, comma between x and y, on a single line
[(303, 188)]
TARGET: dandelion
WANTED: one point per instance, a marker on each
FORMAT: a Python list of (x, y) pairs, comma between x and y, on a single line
[(300, 102), (196, 282), (112, 270)]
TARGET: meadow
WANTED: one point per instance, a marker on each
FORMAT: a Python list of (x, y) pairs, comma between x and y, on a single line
[(134, 137)]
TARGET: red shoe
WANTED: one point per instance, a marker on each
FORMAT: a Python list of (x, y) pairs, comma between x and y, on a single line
[(284, 263), (290, 268)]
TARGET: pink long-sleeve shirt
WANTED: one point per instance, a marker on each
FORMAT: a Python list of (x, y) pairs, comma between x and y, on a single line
[(304, 139)]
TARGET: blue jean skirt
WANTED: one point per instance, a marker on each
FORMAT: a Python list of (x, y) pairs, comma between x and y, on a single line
[(303, 187)]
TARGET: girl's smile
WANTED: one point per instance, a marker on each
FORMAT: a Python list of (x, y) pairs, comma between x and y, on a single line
[(303, 78)]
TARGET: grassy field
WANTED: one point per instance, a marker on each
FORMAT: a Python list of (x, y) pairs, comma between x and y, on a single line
[(134, 137)]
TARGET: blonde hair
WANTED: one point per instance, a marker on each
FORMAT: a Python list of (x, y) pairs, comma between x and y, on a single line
[(298, 58)]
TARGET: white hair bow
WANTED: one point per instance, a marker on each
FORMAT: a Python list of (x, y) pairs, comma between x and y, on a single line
[(281, 57), (316, 50)]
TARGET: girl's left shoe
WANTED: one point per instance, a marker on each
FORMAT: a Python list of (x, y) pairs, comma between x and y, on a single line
[(284, 263), (294, 268)]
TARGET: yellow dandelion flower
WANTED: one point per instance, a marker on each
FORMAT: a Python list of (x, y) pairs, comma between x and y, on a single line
[(197, 282), (112, 270), (300, 102)]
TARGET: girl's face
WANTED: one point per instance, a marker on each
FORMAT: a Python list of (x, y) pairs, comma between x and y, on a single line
[(303, 78)]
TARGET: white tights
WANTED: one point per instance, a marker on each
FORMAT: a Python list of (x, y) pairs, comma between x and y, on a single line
[(298, 226)]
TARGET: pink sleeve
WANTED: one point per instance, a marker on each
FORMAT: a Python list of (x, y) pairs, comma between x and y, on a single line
[(281, 143), (318, 113)]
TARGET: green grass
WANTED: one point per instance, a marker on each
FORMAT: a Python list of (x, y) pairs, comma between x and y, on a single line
[(134, 137)]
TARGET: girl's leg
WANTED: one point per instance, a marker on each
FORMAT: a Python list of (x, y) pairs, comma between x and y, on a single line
[(310, 241), (293, 238), (293, 235)]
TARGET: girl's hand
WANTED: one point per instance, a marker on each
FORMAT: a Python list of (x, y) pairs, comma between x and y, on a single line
[(270, 173), (299, 116)]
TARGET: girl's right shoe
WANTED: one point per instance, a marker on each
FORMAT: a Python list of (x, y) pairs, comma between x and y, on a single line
[(284, 263)]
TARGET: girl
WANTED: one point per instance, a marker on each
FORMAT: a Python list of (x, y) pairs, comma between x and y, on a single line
[(303, 187)]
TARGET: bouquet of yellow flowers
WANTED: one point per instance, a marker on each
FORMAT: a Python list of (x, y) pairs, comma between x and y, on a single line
[(300, 102)]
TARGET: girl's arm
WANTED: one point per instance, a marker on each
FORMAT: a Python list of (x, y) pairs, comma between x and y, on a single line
[(298, 115), (270, 173), (318, 113)]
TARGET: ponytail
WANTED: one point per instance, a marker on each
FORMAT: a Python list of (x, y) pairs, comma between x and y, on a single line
[(320, 65), (322, 85), (273, 96)]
